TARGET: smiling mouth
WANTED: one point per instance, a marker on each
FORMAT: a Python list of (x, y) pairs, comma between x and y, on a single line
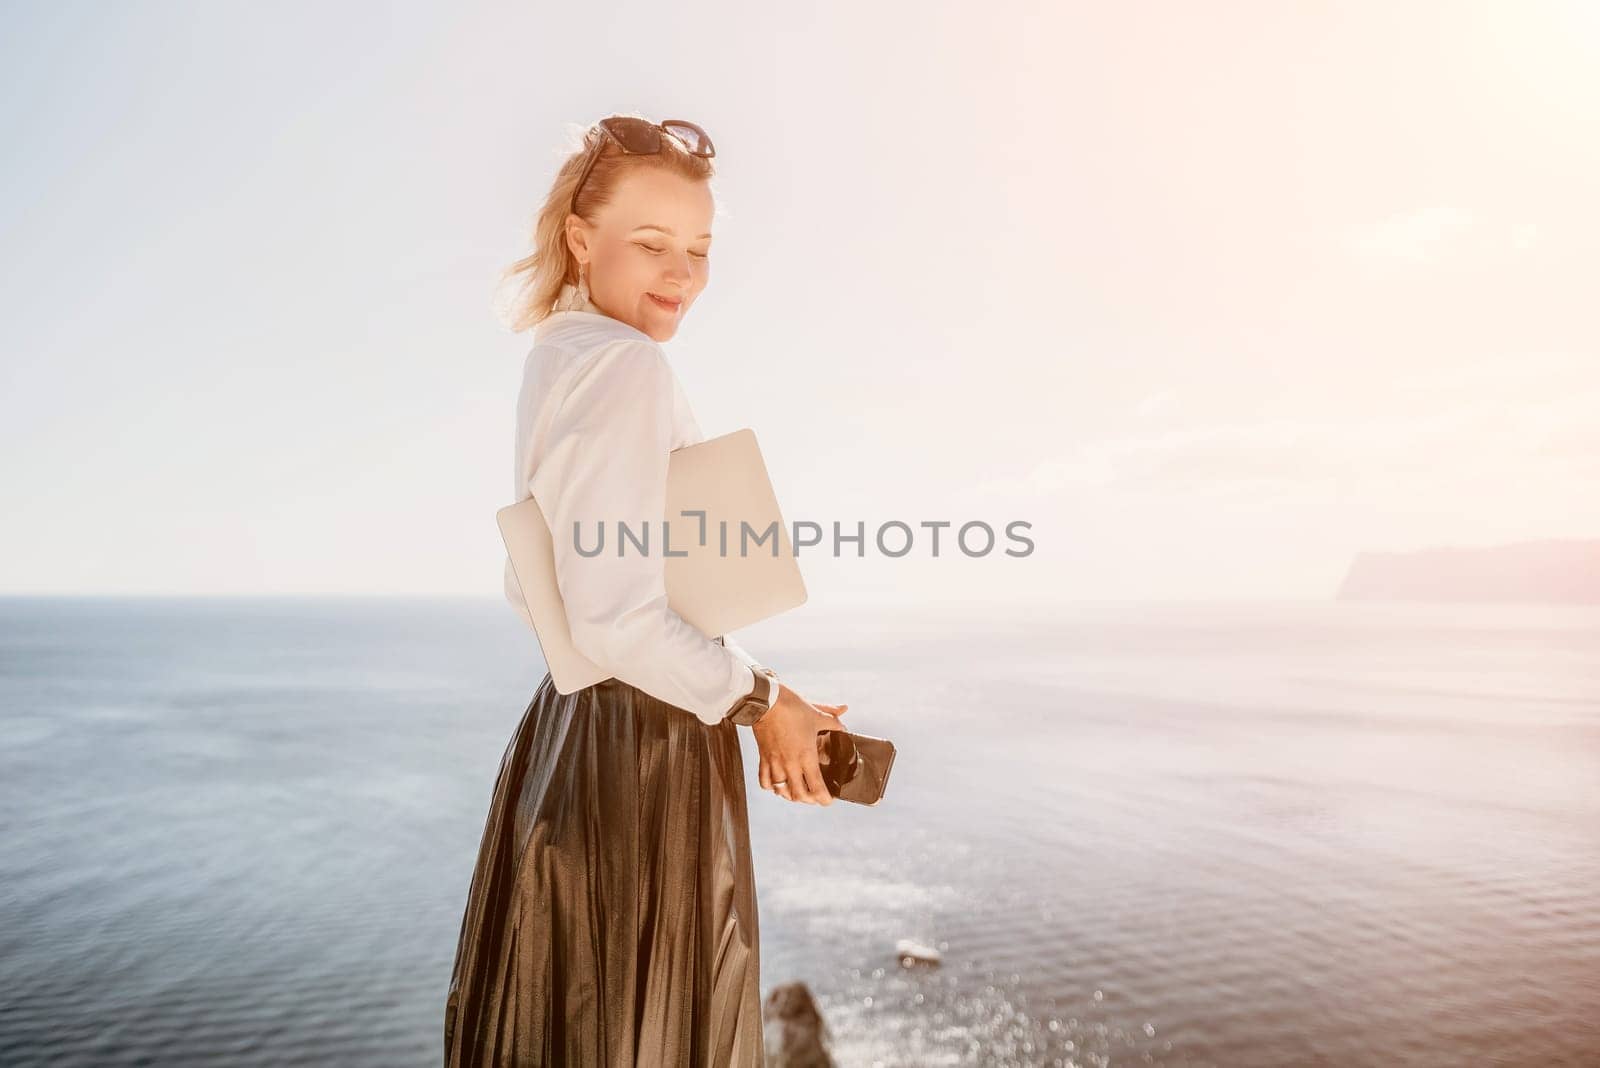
[(662, 302)]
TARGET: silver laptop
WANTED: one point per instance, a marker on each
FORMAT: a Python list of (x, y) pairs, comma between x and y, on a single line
[(715, 587)]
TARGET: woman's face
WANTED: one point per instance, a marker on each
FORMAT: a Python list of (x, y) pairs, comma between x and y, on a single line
[(648, 250)]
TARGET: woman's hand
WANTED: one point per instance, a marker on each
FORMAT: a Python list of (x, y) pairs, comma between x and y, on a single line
[(787, 739)]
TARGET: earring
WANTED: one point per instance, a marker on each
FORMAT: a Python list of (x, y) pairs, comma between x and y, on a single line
[(578, 298), (583, 285)]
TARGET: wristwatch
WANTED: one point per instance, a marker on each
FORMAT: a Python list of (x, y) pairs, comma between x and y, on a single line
[(748, 712)]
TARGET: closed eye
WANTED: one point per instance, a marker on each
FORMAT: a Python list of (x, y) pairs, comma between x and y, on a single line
[(659, 251)]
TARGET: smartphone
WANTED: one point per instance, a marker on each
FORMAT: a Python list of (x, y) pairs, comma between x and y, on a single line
[(855, 767)]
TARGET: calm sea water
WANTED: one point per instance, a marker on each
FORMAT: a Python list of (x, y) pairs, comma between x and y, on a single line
[(241, 831)]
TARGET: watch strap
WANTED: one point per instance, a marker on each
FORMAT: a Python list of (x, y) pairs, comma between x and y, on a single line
[(758, 701)]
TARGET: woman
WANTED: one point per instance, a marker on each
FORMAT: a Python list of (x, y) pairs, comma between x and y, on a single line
[(611, 918)]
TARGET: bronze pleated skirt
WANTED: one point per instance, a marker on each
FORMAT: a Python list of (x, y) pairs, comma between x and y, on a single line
[(611, 918)]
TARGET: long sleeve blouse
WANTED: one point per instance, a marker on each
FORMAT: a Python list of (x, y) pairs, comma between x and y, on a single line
[(599, 411)]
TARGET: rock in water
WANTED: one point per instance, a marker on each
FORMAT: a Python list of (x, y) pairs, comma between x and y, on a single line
[(793, 1029), (912, 953)]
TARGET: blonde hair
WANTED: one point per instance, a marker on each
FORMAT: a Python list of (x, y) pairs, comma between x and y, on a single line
[(537, 278)]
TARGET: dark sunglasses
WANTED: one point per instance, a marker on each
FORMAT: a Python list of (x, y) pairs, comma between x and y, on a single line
[(640, 137)]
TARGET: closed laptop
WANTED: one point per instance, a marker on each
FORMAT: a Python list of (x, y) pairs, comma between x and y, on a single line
[(738, 565)]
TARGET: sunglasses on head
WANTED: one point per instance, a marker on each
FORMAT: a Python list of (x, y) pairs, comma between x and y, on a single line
[(640, 137)]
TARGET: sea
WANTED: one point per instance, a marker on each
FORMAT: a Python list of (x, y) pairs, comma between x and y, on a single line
[(240, 831)]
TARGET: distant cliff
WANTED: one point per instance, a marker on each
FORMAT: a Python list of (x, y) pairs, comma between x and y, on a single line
[(1566, 572)]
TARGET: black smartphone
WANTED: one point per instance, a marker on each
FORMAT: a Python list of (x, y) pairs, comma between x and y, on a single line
[(855, 767)]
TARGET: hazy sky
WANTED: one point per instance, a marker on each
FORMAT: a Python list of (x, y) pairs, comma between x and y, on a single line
[(1214, 295)]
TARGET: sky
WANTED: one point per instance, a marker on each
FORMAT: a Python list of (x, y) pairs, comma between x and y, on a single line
[(1213, 296)]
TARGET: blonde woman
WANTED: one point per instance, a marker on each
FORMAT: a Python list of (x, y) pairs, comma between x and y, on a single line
[(611, 918)]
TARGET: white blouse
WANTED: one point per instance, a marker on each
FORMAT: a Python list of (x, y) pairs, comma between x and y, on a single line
[(599, 410)]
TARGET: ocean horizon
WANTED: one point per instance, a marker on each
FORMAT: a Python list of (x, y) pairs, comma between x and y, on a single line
[(240, 830)]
